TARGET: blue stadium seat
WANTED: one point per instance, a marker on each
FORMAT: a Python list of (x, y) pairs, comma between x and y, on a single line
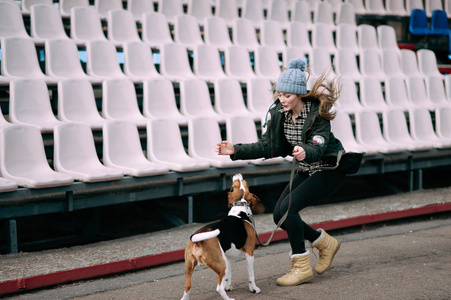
[(439, 23), (418, 23)]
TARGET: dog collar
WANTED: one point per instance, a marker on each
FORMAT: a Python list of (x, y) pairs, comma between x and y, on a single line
[(239, 207)]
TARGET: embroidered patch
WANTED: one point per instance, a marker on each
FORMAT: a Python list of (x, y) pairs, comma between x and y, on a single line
[(317, 139)]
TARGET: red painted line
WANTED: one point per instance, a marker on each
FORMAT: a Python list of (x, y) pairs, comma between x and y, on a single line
[(46, 280)]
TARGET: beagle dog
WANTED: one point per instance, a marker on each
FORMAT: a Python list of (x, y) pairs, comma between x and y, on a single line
[(210, 245)]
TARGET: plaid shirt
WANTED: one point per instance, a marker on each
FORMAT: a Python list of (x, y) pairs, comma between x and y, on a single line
[(293, 134), (293, 131)]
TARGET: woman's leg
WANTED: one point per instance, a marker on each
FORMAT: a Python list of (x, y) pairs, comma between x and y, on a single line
[(306, 190)]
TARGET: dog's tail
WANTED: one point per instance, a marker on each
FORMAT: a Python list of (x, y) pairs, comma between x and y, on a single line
[(198, 237)]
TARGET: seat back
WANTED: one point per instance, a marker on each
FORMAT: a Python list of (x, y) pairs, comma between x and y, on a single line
[(29, 102), (259, 95), (348, 99), (159, 99), (200, 9), (174, 61), (347, 38), (375, 7), (323, 13), (229, 97), (164, 141), (19, 58), (341, 127), (103, 7), (241, 129), (65, 6), (121, 27), (395, 126), (76, 102), (227, 9), (171, 9), (320, 62), (346, 64), (322, 37), (391, 63), (187, 31), (121, 142), (216, 33), (414, 4), (396, 92), (395, 8), (278, 11), (244, 34), (298, 36), (267, 63), (11, 21), (409, 63), (102, 60), (207, 62), (418, 22), (74, 147), (22, 149), (359, 6), (195, 99), (85, 24), (203, 135), (346, 14), (443, 122), (386, 38), (367, 37), (435, 88), (46, 22), (421, 127), (371, 64), (371, 94), (139, 7), (253, 11), (427, 63), (416, 90), (302, 13), (439, 22), (138, 60), (237, 62), (271, 35), (119, 100), (368, 130), (62, 60), (155, 30)]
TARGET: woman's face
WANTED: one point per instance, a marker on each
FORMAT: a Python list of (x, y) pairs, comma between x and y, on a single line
[(289, 101)]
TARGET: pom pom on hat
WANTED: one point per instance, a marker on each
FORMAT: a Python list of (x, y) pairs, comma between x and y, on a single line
[(297, 64), (293, 80)]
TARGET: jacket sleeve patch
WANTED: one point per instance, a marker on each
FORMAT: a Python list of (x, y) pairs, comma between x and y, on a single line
[(318, 139)]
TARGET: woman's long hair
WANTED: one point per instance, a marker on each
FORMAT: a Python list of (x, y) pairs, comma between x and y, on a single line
[(325, 90)]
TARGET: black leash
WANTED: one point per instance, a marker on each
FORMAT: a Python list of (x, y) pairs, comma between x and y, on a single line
[(293, 168)]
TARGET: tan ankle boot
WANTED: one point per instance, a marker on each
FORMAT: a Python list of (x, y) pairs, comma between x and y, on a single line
[(300, 271), (328, 247)]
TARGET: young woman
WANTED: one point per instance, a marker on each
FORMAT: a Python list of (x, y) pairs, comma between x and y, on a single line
[(299, 125)]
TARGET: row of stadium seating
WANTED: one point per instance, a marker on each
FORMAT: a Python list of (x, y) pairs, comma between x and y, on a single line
[(256, 10), (24, 162)]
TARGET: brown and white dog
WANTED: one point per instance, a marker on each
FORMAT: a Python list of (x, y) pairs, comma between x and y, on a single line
[(212, 244)]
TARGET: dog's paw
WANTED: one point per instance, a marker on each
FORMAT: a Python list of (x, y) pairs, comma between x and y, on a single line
[(254, 289), (228, 288)]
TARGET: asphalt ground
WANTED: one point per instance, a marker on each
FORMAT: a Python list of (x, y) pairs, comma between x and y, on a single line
[(408, 259)]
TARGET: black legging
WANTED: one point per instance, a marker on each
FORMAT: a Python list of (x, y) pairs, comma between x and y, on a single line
[(306, 190)]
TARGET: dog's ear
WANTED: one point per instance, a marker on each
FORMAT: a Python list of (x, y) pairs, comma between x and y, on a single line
[(257, 206), (235, 193)]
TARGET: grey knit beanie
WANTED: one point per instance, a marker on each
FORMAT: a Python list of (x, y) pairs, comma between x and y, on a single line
[(293, 79)]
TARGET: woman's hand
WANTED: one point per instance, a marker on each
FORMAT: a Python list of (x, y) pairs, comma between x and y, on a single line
[(299, 153), (225, 148)]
